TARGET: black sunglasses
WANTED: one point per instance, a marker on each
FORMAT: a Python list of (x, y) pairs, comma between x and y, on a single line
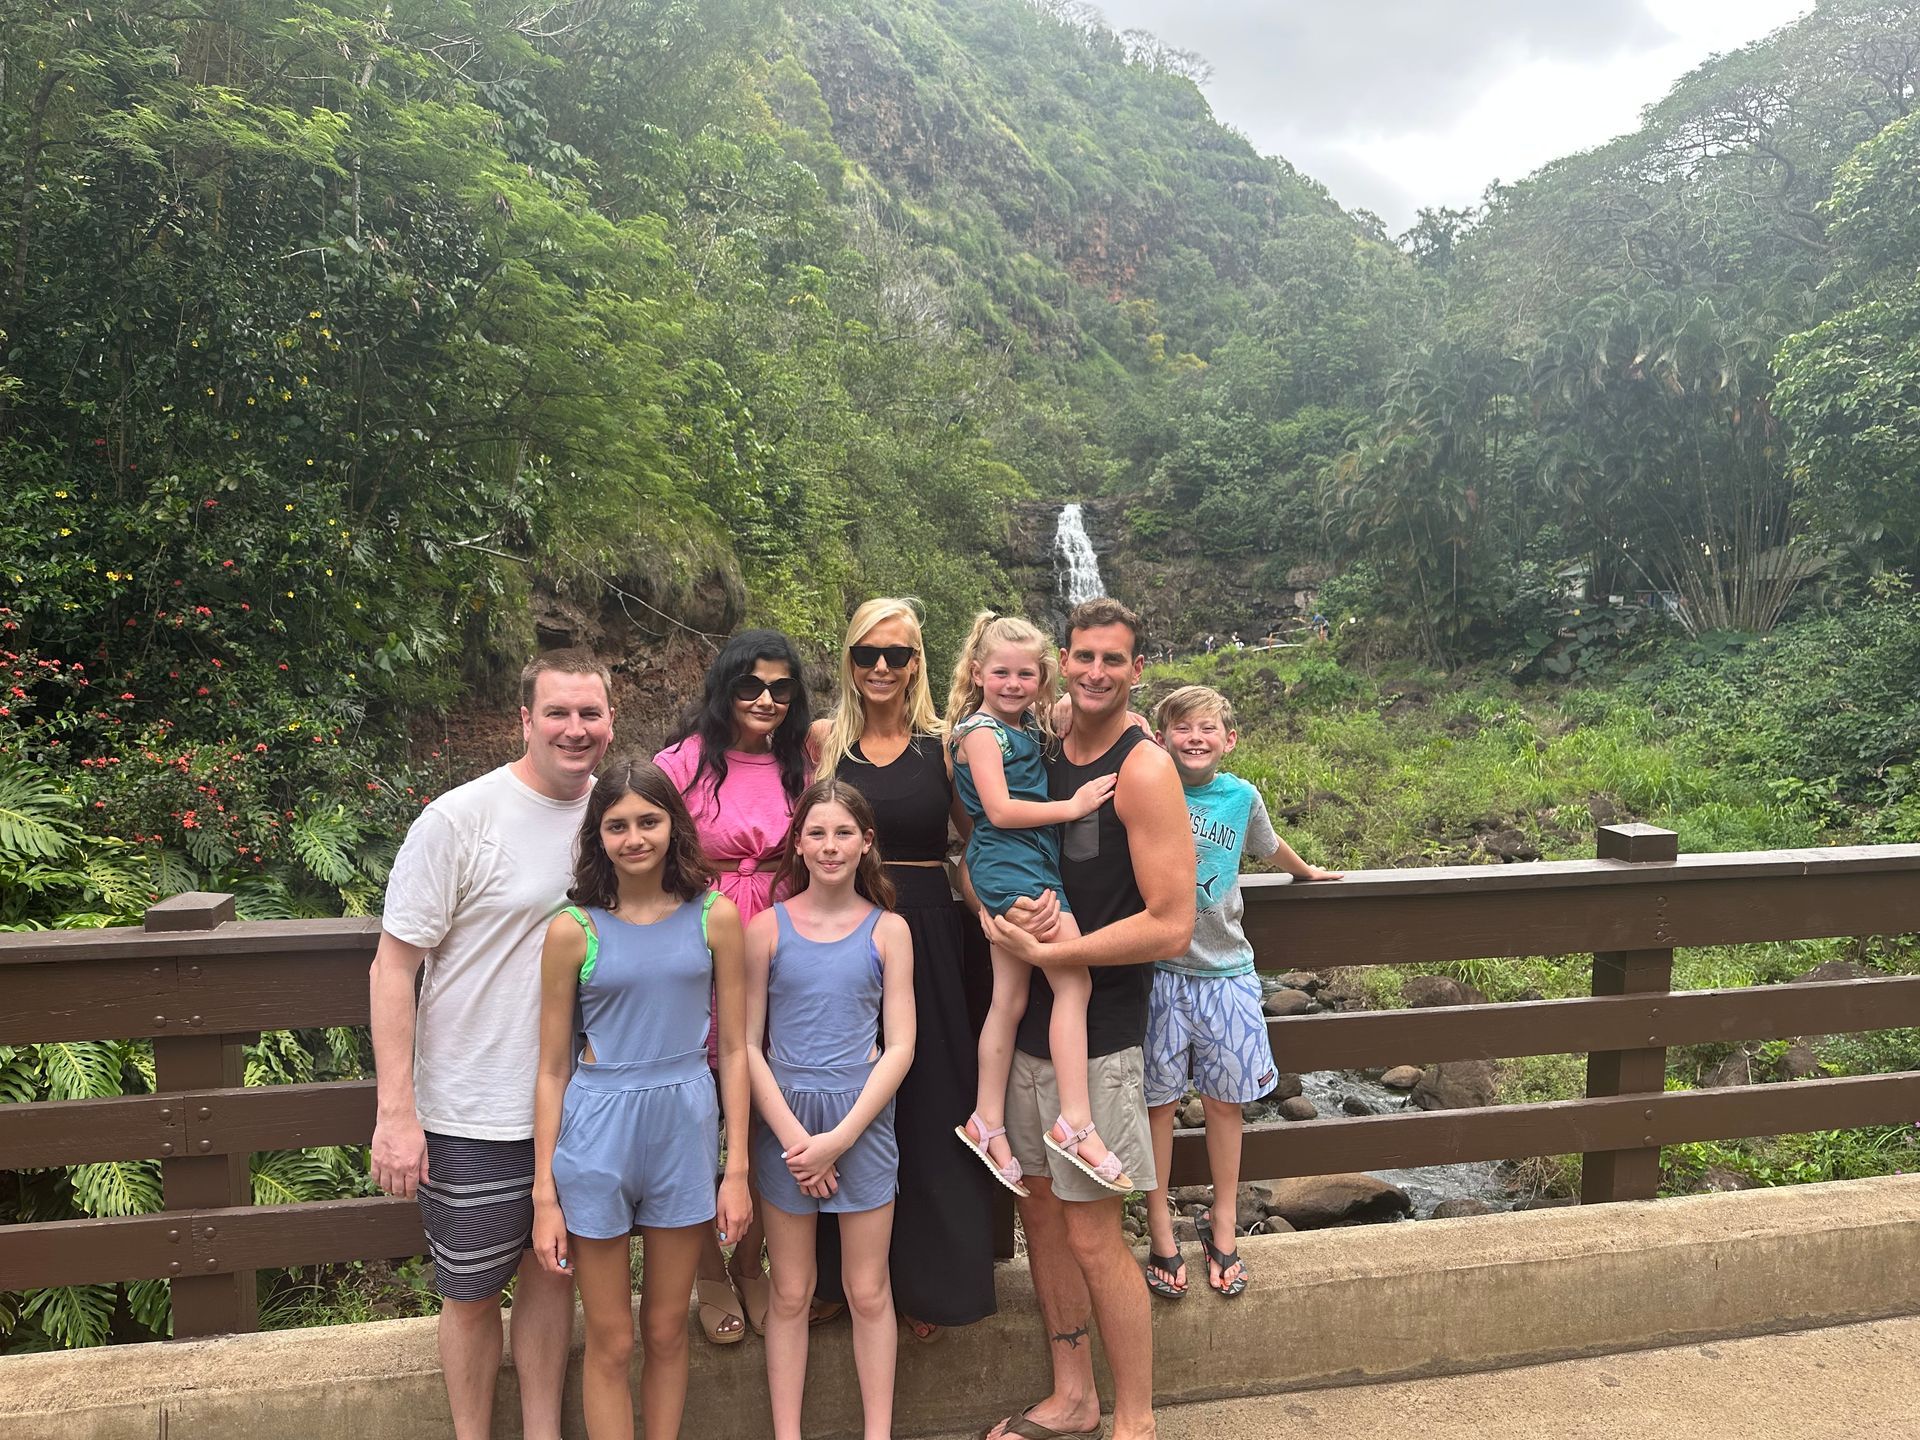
[(750, 687), (868, 656)]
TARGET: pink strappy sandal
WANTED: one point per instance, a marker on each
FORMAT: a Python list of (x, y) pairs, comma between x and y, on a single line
[(1108, 1172), (1010, 1176)]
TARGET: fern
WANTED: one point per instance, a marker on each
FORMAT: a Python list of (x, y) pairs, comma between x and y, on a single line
[(72, 1315), (324, 842), (117, 1187), (150, 1302), (80, 1069), (35, 821), (292, 1177), (279, 1059)]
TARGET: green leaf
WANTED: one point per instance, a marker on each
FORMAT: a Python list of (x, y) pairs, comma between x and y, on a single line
[(34, 823), (118, 1187), (292, 1177), (80, 1069), (150, 1302), (73, 1315)]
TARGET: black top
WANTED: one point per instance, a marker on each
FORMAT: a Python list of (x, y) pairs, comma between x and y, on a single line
[(911, 799), (1096, 870)]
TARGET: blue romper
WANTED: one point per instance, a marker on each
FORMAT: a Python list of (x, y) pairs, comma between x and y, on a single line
[(823, 1012), (639, 1136), (1015, 864)]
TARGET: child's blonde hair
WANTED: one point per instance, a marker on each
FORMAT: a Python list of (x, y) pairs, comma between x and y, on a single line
[(1190, 700), (989, 633)]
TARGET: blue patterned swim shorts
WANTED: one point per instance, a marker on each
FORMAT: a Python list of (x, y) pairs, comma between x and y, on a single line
[(1208, 1033)]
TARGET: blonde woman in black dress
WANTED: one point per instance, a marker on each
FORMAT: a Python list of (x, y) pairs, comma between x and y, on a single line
[(885, 739)]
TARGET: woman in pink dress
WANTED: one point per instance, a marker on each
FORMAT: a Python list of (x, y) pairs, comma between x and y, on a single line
[(740, 760)]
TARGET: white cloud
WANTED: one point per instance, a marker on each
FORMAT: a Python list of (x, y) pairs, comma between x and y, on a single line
[(1396, 104)]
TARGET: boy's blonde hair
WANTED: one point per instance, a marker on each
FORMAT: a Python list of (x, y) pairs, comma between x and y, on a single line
[(989, 633), (1191, 700)]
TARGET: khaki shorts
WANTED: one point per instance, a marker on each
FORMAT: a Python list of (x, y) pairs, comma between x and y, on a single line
[(1117, 1088)]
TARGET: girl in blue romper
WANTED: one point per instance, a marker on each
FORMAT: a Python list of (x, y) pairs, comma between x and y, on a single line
[(1003, 679), (624, 1139), (828, 970)]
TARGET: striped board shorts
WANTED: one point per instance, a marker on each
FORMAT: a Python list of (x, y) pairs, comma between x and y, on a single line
[(477, 1206)]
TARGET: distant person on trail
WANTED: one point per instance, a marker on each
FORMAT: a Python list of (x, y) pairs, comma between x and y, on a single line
[(480, 874), (1128, 874), (626, 1138), (1205, 1027), (884, 738), (1003, 690), (740, 760)]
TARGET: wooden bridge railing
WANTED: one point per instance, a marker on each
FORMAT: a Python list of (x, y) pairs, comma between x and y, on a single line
[(202, 985)]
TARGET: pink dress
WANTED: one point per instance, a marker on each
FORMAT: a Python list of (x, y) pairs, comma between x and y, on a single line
[(742, 827)]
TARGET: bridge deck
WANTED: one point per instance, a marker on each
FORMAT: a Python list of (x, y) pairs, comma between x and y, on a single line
[(1849, 1382)]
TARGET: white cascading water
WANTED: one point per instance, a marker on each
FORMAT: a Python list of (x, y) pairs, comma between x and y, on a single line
[(1074, 560)]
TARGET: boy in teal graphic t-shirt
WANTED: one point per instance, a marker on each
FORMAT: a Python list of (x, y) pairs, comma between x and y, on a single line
[(1205, 1027)]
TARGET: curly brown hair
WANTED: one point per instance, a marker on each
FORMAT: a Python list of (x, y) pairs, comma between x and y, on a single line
[(869, 879), (686, 871)]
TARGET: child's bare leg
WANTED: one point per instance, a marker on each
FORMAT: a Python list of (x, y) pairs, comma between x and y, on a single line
[(1067, 1042), (1010, 978)]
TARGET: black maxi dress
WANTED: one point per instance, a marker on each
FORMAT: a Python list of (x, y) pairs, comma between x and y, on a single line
[(942, 1255)]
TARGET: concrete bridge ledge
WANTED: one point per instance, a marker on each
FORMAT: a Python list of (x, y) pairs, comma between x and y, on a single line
[(1326, 1308)]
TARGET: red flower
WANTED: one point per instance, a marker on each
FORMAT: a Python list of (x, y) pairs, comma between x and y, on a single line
[(260, 749), (226, 564), (203, 691), (209, 504), (127, 695)]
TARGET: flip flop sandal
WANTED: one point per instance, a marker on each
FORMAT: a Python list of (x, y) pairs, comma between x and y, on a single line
[(1029, 1429), (756, 1294), (719, 1304), (1011, 1175), (1108, 1172), (1160, 1272), (1225, 1259)]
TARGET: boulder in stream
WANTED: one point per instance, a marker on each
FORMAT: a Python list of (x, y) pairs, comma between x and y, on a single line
[(1298, 1107), (1401, 1077), (1287, 1002), (1455, 1085), (1312, 1202)]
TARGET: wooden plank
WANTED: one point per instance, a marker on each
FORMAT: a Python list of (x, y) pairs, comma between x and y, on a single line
[(47, 1133), (95, 1252), (239, 1121), (1436, 926), (87, 1000), (1358, 1039), (275, 992), (189, 910), (1558, 1127), (236, 937), (322, 1233), (200, 1247), (1608, 1175)]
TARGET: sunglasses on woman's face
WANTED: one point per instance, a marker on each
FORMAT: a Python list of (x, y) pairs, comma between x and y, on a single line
[(750, 687), (865, 657)]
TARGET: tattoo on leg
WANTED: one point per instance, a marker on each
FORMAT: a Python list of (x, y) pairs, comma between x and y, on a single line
[(1071, 1338)]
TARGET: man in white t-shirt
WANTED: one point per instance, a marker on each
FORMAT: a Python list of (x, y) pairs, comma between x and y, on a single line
[(481, 873)]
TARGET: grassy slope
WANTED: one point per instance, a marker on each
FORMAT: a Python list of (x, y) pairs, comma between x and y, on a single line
[(1413, 768)]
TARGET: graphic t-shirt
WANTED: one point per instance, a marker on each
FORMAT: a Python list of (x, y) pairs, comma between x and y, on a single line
[(1229, 818)]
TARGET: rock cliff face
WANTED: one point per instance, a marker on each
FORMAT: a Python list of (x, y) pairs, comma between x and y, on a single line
[(1182, 598)]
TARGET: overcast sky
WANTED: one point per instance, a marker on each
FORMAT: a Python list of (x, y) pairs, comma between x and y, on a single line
[(1396, 104)]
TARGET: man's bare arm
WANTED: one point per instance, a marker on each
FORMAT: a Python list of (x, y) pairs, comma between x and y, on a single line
[(399, 1158)]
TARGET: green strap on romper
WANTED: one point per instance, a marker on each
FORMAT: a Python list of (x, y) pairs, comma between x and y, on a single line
[(593, 938), (593, 941)]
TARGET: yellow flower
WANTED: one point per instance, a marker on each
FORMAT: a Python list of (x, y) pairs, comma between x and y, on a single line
[(59, 494), (286, 394), (303, 379), (65, 531), (209, 389), (196, 345), (289, 594), (313, 314), (329, 570), (290, 508), (309, 461), (249, 399)]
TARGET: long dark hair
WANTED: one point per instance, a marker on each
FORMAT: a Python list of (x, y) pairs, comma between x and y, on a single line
[(685, 872), (869, 879), (712, 718)]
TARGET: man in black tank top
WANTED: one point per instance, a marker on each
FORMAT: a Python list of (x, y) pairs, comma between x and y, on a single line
[(1128, 872)]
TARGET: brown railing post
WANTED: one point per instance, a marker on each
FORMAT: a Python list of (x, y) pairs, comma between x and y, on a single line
[(1630, 1174), (186, 1059)]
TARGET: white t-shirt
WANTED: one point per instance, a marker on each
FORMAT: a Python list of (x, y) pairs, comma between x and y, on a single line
[(480, 874)]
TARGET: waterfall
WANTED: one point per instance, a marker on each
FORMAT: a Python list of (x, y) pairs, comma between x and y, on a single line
[(1075, 564)]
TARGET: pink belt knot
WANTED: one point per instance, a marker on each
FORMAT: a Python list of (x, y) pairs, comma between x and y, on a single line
[(748, 866)]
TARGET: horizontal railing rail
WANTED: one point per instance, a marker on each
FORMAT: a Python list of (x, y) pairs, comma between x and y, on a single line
[(201, 985)]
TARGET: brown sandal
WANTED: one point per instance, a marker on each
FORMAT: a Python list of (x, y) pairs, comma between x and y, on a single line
[(756, 1294), (719, 1303)]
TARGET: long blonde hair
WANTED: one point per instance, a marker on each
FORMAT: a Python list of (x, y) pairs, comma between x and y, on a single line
[(848, 722), (989, 633)]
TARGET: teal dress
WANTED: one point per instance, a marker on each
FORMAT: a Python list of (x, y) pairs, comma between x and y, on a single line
[(1008, 865)]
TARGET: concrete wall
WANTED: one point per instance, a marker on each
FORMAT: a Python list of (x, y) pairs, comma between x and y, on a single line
[(1329, 1307)]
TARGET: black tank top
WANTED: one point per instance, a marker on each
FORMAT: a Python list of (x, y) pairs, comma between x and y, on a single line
[(1096, 870), (911, 799)]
